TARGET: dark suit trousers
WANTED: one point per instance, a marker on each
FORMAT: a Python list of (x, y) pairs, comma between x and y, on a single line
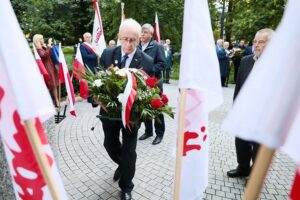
[(122, 154), (159, 125), (245, 151)]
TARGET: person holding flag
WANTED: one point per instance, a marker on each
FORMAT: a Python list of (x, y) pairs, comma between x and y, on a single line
[(44, 52), (247, 150), (275, 115), (89, 55)]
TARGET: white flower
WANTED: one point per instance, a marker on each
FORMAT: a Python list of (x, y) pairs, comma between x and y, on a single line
[(120, 97), (108, 72), (97, 83), (134, 70), (121, 73), (116, 69)]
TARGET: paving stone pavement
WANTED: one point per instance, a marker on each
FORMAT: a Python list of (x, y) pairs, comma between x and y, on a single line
[(87, 170)]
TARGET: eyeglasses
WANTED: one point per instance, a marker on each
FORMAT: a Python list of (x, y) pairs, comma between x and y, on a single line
[(129, 40), (260, 42)]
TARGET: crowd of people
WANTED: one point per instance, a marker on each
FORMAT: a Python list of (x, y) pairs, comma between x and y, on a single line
[(136, 48)]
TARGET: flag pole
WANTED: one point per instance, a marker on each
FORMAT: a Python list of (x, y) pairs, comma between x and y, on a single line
[(40, 156), (181, 119), (259, 172)]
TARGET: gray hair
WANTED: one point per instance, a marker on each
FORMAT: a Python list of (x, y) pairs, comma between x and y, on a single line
[(132, 24), (149, 27), (85, 34), (269, 32)]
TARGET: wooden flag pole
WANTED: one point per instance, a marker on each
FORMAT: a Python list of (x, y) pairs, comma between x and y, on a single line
[(40, 156), (259, 172), (180, 137)]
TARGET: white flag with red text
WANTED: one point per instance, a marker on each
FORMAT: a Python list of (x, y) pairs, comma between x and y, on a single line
[(23, 96), (199, 73), (272, 100), (79, 66), (65, 78), (98, 42), (156, 29)]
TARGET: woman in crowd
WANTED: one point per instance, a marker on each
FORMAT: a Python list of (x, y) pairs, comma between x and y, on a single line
[(45, 53)]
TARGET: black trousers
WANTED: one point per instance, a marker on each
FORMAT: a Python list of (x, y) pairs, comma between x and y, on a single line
[(166, 74), (159, 125), (236, 68), (245, 151), (124, 154)]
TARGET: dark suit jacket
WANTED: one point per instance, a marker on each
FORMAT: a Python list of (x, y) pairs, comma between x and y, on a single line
[(245, 68), (89, 58), (140, 60), (156, 51)]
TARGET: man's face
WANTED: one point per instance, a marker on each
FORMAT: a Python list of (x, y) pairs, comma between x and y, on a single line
[(88, 38), (146, 35), (129, 40), (259, 43), (242, 43)]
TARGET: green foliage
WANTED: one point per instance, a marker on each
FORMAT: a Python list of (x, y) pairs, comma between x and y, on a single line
[(67, 20)]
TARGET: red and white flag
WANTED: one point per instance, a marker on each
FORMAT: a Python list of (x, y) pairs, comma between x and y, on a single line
[(65, 78), (272, 100), (295, 191), (40, 64), (199, 73), (79, 66), (156, 29), (23, 96), (98, 42)]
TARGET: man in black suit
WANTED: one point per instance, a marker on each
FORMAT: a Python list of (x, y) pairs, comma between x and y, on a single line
[(247, 150), (156, 51), (126, 55)]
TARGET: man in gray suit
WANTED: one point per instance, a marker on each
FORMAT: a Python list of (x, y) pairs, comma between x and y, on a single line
[(156, 51), (126, 55), (247, 150)]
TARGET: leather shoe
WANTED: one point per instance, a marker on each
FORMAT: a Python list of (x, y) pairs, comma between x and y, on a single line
[(157, 140), (234, 173), (126, 196), (145, 136), (117, 174)]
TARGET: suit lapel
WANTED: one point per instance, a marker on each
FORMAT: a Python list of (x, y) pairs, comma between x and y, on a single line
[(136, 59), (117, 57)]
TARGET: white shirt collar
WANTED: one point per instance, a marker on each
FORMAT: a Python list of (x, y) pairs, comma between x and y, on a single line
[(144, 46), (130, 56)]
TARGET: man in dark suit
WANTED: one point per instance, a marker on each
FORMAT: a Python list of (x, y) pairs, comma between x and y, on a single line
[(89, 55), (247, 150), (156, 51), (124, 154)]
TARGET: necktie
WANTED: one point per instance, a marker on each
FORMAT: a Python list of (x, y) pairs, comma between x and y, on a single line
[(123, 61)]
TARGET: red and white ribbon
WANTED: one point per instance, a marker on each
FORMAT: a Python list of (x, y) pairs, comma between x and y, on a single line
[(128, 98)]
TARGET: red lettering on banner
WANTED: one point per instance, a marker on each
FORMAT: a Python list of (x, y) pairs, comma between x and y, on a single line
[(193, 135), (1, 97), (32, 188), (188, 147)]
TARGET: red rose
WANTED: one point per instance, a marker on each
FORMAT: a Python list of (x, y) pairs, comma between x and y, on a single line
[(156, 103), (164, 98), (151, 82)]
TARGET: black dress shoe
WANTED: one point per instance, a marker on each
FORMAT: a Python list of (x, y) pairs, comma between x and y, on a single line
[(126, 196), (145, 136), (234, 173), (117, 174), (157, 140)]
